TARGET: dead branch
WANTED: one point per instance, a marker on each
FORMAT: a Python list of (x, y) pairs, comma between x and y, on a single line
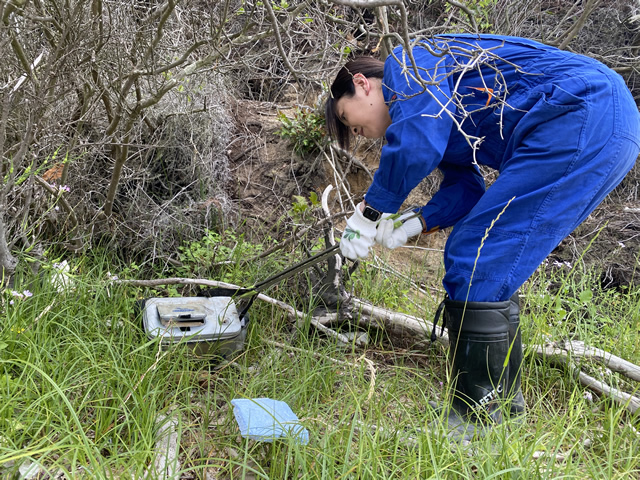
[(573, 31), (296, 315), (466, 10), (57, 195), (394, 322), (565, 352), (352, 160), (339, 179), (578, 350), (276, 32), (401, 324)]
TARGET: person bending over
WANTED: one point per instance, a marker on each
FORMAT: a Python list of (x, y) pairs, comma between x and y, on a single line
[(561, 129)]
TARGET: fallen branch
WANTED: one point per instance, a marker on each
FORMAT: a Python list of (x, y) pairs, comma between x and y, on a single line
[(402, 324), (296, 315), (578, 349), (563, 352), (407, 325), (395, 322)]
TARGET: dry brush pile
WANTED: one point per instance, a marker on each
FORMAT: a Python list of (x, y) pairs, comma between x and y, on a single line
[(117, 121)]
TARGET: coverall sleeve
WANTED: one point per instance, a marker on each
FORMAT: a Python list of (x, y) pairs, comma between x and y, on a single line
[(417, 137), (460, 189)]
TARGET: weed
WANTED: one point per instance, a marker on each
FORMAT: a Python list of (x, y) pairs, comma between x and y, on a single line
[(302, 209), (82, 388), (306, 129), (481, 11), (221, 254)]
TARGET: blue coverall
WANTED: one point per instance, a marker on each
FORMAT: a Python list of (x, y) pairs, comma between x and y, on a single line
[(562, 130)]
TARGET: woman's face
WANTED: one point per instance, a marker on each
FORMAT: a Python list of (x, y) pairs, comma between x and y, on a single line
[(365, 113)]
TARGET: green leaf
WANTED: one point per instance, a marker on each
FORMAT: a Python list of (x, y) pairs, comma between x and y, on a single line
[(586, 296)]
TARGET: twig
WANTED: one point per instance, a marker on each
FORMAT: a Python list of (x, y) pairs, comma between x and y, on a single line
[(276, 33), (573, 31), (59, 197), (468, 12), (339, 180), (352, 159)]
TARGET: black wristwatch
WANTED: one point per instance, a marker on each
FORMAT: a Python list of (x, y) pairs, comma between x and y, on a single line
[(371, 213)]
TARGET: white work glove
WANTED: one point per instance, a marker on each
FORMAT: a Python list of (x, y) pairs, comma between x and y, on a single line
[(391, 236), (359, 235)]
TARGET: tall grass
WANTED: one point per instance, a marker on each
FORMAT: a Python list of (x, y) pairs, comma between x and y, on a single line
[(83, 390)]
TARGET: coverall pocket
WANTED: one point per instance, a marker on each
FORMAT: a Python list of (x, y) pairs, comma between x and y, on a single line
[(553, 95)]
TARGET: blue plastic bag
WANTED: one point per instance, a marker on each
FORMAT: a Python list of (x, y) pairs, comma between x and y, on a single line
[(266, 419)]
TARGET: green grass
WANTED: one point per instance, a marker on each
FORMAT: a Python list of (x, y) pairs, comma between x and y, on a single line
[(82, 389)]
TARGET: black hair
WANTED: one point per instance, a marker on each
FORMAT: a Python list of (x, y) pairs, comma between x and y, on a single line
[(343, 86)]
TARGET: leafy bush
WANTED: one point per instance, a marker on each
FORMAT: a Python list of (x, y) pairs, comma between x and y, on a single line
[(227, 251), (305, 129)]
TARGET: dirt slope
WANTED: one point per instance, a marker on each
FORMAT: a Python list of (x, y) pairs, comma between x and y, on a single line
[(269, 174)]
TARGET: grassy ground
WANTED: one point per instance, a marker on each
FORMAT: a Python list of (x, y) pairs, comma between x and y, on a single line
[(84, 393)]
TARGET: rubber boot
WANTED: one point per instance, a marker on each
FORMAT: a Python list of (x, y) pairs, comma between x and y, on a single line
[(478, 349)]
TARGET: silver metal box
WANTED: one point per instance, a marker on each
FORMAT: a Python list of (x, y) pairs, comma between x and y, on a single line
[(208, 326)]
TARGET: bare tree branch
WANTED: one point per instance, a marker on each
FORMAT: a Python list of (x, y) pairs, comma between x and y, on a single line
[(571, 33)]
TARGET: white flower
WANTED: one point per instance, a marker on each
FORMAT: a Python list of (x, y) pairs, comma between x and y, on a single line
[(61, 278)]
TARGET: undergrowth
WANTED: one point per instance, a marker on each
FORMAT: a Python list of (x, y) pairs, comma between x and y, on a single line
[(84, 392)]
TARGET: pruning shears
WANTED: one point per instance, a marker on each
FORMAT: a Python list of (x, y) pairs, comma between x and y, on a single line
[(253, 292), (396, 216)]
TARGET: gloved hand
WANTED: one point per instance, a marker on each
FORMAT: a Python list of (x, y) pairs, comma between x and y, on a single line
[(358, 236), (391, 236)]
